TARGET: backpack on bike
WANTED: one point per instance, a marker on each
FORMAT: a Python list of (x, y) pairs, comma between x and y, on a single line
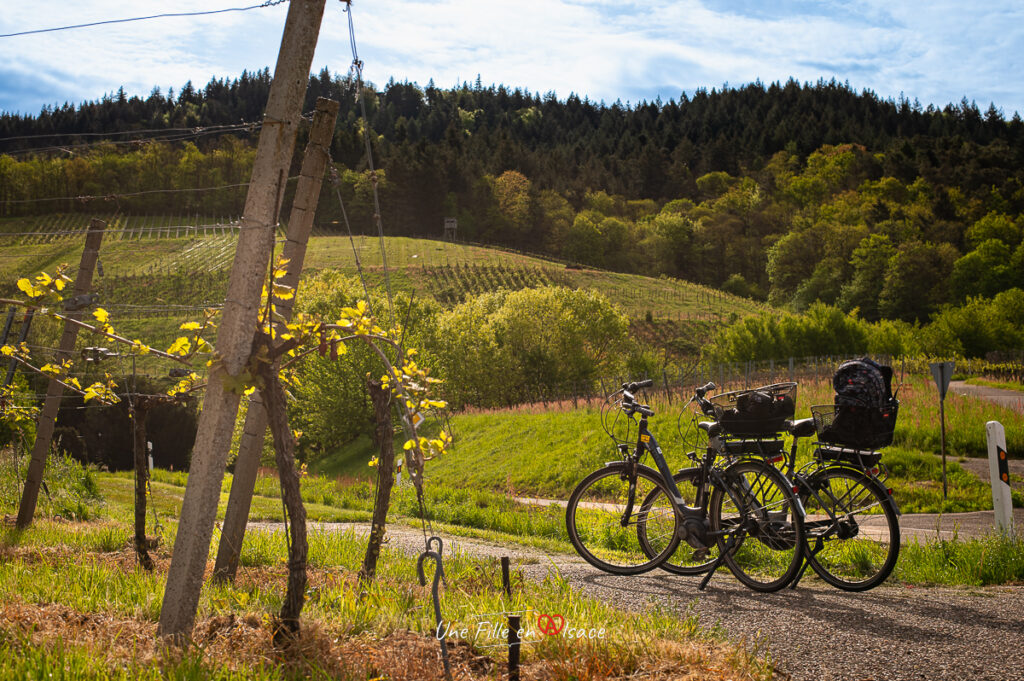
[(864, 413)]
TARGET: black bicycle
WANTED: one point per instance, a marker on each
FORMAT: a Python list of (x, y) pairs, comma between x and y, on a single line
[(627, 518), (851, 527)]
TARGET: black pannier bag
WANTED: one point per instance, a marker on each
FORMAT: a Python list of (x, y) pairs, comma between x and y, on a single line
[(864, 413), (756, 413)]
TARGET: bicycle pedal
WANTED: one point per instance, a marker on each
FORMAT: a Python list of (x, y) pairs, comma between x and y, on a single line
[(699, 556)]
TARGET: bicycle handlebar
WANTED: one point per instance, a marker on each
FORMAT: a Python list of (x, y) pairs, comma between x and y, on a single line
[(637, 385), (705, 389), (705, 405), (630, 405)]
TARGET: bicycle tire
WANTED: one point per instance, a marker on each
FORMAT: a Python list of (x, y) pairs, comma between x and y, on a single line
[(593, 518), (859, 551), (685, 560), (758, 526)]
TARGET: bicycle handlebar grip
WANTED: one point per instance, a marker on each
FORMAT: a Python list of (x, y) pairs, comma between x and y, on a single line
[(704, 389), (633, 387)]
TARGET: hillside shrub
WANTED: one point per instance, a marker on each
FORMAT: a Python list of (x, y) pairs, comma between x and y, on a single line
[(509, 346)]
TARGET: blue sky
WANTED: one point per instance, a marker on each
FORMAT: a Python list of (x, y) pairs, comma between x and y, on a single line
[(936, 52)]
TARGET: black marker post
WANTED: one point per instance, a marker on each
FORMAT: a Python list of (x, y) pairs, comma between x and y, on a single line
[(942, 372)]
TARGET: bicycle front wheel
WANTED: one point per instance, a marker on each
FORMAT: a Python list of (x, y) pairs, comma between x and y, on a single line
[(757, 524), (853, 534), (605, 515)]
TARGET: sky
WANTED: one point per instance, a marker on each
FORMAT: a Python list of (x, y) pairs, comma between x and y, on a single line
[(935, 52)]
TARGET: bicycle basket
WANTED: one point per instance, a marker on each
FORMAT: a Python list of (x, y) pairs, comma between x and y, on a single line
[(856, 426), (757, 411)]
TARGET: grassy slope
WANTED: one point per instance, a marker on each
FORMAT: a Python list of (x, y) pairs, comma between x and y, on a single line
[(409, 261), (537, 451)]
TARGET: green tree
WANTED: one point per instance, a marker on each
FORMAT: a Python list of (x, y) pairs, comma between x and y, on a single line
[(512, 192), (917, 282), (870, 262), (994, 226), (985, 271)]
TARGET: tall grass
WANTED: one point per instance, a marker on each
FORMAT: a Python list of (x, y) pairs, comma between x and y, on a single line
[(994, 559), (69, 489)]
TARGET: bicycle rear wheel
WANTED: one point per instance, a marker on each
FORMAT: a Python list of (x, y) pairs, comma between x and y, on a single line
[(686, 560), (604, 515), (756, 521), (858, 550)]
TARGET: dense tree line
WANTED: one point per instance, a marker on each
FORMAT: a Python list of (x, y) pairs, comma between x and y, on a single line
[(794, 193)]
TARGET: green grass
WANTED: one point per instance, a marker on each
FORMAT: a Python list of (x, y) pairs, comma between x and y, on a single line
[(1002, 385), (916, 480), (118, 490), (76, 579), (20, 659), (410, 263), (993, 559)]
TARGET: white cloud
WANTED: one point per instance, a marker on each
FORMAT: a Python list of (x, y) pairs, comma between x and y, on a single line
[(938, 52)]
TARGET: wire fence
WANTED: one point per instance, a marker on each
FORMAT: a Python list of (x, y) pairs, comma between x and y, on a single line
[(678, 384)]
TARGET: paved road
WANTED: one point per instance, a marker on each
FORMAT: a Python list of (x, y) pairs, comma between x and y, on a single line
[(892, 633), (919, 527), (1012, 399)]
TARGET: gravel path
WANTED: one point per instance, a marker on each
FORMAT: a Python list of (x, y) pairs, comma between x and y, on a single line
[(892, 633)]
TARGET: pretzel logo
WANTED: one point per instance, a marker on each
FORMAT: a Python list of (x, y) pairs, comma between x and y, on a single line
[(551, 625)]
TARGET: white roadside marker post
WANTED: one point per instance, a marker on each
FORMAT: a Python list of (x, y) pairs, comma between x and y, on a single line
[(999, 469)]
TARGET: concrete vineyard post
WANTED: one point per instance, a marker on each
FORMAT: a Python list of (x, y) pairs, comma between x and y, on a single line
[(300, 224), (238, 325), (55, 391)]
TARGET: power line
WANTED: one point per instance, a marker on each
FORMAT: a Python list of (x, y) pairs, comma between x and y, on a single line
[(268, 3), (193, 128), (174, 137), (121, 195)]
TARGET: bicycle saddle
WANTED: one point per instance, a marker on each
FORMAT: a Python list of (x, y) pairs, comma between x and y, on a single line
[(801, 427), (712, 428)]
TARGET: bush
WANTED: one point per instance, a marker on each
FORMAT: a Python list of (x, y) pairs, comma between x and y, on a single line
[(511, 346), (331, 405), (823, 330)]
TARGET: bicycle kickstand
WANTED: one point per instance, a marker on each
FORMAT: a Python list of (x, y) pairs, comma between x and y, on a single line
[(718, 561), (807, 562)]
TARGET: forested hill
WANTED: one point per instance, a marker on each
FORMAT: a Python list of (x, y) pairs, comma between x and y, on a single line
[(793, 192), (650, 150)]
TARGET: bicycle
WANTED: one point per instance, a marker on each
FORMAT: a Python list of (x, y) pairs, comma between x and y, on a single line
[(732, 440), (851, 526), (745, 510)]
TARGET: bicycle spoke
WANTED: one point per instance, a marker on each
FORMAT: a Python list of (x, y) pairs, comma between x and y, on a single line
[(857, 550), (594, 517)]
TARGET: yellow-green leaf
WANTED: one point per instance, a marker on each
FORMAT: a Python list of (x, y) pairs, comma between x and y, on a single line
[(180, 347)]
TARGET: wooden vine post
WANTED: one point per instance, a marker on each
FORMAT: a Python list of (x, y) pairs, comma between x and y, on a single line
[(140, 407)]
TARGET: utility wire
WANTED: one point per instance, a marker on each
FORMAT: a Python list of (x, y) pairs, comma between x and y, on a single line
[(193, 128), (176, 137), (121, 195), (269, 3)]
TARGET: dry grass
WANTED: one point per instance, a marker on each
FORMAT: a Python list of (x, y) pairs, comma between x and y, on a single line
[(243, 643), (240, 640)]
